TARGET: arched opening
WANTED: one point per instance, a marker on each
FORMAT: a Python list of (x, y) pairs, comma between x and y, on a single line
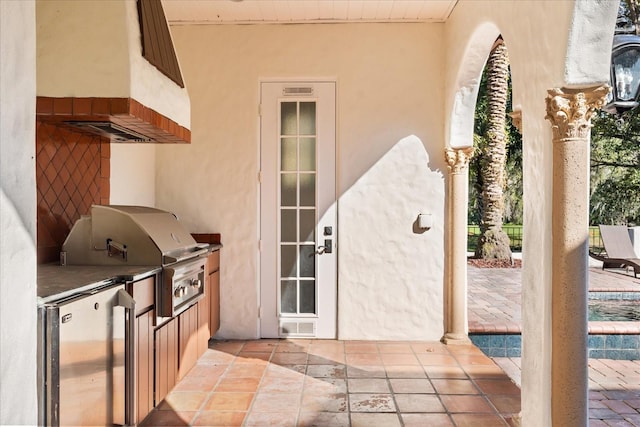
[(495, 190), (462, 135)]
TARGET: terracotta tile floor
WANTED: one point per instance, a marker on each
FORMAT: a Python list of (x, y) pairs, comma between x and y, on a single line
[(376, 384), (340, 383)]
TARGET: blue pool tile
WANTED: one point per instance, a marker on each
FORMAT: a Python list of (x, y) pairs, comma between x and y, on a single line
[(514, 352), (613, 342), (613, 354), (480, 340), (629, 354), (601, 346), (514, 341), (497, 341), (630, 342), (496, 352), (596, 341)]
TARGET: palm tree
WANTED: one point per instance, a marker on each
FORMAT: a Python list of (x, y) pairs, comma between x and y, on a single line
[(493, 242)]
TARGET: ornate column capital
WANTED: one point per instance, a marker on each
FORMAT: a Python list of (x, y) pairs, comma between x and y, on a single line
[(458, 158), (570, 110), (516, 118)]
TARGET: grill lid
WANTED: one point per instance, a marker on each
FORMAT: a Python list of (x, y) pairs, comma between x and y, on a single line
[(134, 235)]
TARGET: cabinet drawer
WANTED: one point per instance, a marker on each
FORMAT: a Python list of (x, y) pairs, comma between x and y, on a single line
[(213, 262), (143, 292)]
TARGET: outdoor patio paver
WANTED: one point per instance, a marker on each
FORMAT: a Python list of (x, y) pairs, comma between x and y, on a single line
[(614, 385), (494, 298), (254, 386)]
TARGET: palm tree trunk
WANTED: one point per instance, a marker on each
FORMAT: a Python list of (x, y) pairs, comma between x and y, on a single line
[(493, 242)]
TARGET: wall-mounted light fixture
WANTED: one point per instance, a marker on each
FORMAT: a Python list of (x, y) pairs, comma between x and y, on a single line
[(425, 221), (625, 74)]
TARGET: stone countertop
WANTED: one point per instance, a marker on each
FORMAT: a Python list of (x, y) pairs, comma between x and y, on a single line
[(57, 282), (215, 247)]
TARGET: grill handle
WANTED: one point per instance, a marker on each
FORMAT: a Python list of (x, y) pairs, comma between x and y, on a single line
[(169, 259), (125, 300), (116, 248)]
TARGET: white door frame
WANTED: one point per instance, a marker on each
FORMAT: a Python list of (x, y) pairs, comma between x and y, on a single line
[(270, 322)]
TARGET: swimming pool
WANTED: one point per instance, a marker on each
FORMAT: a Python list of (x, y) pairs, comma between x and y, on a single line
[(614, 311), (614, 306), (605, 342)]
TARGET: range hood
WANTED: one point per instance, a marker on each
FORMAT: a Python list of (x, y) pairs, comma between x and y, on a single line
[(92, 75)]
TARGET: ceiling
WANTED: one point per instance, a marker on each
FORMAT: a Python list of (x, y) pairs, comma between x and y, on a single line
[(305, 11)]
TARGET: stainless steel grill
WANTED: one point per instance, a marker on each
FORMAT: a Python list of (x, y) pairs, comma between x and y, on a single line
[(137, 235)]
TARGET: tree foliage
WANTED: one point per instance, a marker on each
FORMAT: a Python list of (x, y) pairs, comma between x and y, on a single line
[(615, 169), (615, 155)]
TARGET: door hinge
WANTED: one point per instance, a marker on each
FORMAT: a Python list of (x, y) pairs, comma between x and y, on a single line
[(259, 312), (260, 110), (260, 177), (259, 245)]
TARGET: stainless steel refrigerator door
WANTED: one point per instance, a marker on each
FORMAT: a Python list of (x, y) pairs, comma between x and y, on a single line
[(92, 360)]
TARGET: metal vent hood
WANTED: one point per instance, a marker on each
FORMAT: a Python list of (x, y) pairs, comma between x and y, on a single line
[(91, 74)]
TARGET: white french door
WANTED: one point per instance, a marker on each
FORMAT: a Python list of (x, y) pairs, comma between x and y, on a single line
[(298, 223)]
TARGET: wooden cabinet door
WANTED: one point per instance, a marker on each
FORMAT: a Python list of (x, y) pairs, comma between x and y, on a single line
[(188, 340), (144, 364), (166, 340)]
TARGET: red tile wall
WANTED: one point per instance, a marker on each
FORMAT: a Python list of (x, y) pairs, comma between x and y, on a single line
[(72, 173), (126, 112)]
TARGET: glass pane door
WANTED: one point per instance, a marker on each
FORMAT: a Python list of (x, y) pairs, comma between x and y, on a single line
[(297, 291), (298, 210)]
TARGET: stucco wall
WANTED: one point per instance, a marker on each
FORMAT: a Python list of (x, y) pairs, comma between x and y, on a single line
[(537, 35), (387, 89), (133, 174), (18, 404), (92, 48)]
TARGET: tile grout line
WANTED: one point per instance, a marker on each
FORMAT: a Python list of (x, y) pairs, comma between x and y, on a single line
[(439, 395), (481, 393), (255, 394), (304, 382), (212, 391)]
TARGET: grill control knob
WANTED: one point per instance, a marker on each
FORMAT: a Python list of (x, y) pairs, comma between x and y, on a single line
[(179, 292), (196, 283)]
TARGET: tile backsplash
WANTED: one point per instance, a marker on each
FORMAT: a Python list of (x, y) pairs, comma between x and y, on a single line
[(72, 173)]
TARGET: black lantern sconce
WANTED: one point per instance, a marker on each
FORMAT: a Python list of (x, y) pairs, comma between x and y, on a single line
[(625, 75)]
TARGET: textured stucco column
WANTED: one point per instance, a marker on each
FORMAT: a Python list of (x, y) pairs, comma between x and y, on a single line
[(456, 327), (569, 111)]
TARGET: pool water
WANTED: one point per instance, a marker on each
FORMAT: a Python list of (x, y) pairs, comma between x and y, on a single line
[(614, 310)]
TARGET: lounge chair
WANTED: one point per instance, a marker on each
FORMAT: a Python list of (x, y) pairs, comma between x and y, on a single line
[(619, 252)]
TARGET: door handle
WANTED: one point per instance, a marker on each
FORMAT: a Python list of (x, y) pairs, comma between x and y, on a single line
[(320, 251), (327, 248)]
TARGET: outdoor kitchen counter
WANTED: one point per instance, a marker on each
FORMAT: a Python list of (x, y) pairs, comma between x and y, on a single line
[(214, 247), (56, 282)]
